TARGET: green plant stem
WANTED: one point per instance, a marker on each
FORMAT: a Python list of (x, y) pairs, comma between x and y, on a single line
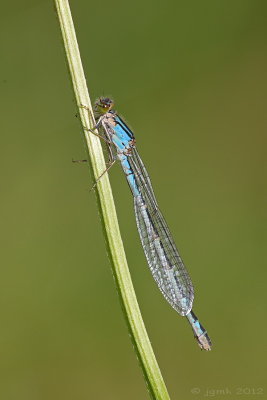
[(153, 377)]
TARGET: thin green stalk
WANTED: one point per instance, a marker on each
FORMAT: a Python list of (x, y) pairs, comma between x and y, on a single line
[(153, 377)]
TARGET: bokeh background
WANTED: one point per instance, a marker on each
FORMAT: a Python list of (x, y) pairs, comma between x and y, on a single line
[(190, 79)]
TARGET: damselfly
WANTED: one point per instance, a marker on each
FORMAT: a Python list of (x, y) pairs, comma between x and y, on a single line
[(162, 255)]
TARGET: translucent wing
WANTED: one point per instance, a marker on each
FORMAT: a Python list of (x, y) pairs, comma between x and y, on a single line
[(163, 258)]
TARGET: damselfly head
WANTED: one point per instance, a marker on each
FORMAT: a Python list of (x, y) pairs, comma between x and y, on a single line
[(103, 105)]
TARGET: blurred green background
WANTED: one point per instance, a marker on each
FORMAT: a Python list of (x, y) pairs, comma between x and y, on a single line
[(190, 79)]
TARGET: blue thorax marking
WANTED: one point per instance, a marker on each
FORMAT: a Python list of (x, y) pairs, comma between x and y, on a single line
[(122, 137), (122, 130), (126, 129)]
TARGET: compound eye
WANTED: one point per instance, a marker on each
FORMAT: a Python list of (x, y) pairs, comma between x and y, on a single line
[(104, 103)]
